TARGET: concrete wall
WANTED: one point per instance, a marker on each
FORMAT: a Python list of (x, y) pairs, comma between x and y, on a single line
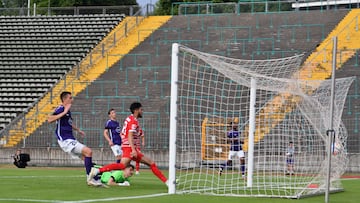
[(54, 156)]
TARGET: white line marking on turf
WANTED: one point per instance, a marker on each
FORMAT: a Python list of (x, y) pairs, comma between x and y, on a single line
[(73, 176), (88, 200), (16, 177)]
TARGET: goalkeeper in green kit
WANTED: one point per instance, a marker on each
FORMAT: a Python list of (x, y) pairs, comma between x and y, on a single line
[(118, 177)]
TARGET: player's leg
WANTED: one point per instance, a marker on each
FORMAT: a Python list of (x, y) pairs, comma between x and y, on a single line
[(116, 149), (241, 156), (149, 162), (78, 150), (292, 167), (125, 160), (85, 153), (287, 166), (87, 157), (228, 163), (137, 163), (137, 167)]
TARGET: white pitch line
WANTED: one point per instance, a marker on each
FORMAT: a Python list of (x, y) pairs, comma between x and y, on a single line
[(16, 177), (88, 200), (73, 176)]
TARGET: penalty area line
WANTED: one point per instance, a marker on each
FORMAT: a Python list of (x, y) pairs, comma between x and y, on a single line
[(84, 201)]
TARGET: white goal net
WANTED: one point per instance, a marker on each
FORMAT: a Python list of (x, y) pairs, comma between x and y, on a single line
[(211, 96)]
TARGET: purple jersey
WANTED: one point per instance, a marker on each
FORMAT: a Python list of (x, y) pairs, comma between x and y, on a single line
[(63, 129), (114, 130), (235, 145)]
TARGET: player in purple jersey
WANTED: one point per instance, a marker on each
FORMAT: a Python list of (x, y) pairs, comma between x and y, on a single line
[(112, 134), (64, 133), (233, 137)]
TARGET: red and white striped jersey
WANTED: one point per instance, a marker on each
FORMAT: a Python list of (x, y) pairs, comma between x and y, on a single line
[(131, 124)]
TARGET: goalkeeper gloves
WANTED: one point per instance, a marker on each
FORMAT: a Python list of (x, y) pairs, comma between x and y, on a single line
[(126, 183)]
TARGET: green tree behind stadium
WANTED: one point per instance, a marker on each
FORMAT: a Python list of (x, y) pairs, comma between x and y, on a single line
[(66, 3), (170, 7)]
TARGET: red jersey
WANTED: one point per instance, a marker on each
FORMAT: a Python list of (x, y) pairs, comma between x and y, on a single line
[(138, 140), (131, 124)]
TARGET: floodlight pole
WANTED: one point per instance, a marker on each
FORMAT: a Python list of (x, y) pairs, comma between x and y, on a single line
[(28, 8), (331, 133)]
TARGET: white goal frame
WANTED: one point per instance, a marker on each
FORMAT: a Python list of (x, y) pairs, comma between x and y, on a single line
[(315, 186)]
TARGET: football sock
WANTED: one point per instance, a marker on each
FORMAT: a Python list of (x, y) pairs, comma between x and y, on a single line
[(88, 164), (242, 169), (228, 163), (137, 166), (111, 167), (158, 173)]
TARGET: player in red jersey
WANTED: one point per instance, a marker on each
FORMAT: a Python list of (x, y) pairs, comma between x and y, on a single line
[(129, 133), (139, 142)]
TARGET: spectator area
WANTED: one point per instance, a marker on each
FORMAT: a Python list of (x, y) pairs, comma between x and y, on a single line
[(37, 51), (144, 74)]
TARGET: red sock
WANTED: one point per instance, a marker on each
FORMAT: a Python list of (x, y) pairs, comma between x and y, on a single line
[(158, 173), (111, 167), (137, 166)]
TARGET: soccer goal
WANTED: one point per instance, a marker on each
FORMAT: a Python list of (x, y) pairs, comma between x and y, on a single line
[(271, 107)]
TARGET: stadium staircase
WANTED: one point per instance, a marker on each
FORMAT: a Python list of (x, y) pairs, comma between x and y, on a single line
[(78, 83), (318, 66)]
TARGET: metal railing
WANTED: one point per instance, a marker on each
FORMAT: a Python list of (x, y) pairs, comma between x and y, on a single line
[(258, 6), (19, 124), (130, 10)]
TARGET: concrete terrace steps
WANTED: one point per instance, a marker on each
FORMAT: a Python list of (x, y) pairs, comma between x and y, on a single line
[(123, 47), (316, 67)]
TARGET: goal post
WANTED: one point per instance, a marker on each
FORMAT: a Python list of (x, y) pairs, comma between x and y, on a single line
[(270, 107)]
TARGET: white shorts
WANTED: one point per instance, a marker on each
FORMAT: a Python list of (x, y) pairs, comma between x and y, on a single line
[(117, 150), (239, 154), (72, 147)]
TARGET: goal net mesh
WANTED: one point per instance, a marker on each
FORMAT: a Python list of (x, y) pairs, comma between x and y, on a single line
[(214, 93)]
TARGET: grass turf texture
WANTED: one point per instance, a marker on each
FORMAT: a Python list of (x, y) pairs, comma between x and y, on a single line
[(69, 185)]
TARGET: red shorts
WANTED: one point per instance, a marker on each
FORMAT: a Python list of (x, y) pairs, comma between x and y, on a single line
[(127, 154)]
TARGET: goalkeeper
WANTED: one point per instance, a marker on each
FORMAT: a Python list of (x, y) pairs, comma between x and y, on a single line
[(233, 136), (118, 177)]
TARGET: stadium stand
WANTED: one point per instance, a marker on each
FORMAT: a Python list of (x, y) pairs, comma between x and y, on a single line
[(93, 65), (37, 51), (143, 74)]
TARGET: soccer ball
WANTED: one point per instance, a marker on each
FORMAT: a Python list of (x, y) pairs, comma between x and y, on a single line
[(336, 149)]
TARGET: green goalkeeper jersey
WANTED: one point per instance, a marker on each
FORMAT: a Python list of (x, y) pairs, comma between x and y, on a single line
[(117, 175)]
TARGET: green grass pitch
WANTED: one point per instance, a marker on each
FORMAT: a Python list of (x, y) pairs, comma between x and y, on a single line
[(36, 184)]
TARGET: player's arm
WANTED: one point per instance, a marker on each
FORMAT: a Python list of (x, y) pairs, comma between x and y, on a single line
[(107, 137), (125, 183), (78, 130), (111, 181), (54, 117), (131, 143), (142, 140)]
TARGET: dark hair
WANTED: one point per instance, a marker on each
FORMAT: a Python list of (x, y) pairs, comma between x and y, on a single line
[(63, 95), (130, 166), (110, 110), (290, 142), (134, 106)]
